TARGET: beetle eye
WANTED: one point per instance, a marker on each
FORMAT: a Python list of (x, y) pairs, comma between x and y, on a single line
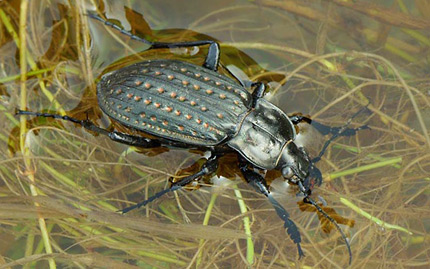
[(287, 172)]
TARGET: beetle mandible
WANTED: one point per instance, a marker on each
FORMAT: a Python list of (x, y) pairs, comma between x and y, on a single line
[(189, 106)]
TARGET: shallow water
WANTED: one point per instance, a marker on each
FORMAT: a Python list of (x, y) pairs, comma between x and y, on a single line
[(320, 59)]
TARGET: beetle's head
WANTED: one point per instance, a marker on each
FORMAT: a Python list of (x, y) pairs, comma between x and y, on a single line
[(296, 166)]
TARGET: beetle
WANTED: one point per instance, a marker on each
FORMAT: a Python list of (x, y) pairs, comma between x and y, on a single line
[(190, 106)]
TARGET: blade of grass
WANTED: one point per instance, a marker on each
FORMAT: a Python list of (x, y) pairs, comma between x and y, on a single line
[(28, 59), (372, 156), (69, 182), (29, 247), (363, 168), (413, 33), (247, 227), (205, 222), (23, 124), (379, 222), (40, 72), (29, 74), (109, 240)]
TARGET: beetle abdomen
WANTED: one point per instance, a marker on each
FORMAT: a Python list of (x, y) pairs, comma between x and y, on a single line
[(175, 100)]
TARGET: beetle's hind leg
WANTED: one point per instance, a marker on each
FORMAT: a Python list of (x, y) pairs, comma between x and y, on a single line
[(212, 58), (259, 183), (208, 168), (131, 140)]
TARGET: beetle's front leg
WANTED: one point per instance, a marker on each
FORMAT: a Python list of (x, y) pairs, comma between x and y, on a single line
[(334, 131), (339, 131), (259, 183), (208, 168), (325, 129)]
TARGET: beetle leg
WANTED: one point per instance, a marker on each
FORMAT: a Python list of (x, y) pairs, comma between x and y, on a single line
[(297, 118), (342, 131), (335, 131), (258, 92), (131, 140), (212, 58), (208, 168), (259, 184), (339, 131), (325, 129)]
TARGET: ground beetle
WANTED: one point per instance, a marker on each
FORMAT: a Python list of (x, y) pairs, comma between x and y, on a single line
[(190, 106)]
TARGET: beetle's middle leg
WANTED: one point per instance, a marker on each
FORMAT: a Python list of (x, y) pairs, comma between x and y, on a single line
[(124, 138), (259, 183), (208, 168)]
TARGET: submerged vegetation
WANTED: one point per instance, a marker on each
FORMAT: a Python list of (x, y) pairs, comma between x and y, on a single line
[(60, 186)]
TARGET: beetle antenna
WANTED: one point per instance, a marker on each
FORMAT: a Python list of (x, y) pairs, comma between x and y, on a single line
[(308, 200)]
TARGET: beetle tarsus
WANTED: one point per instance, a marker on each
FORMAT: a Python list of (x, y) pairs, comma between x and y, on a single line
[(124, 138), (207, 168), (325, 130), (289, 225), (339, 131), (116, 27), (212, 58), (47, 115), (259, 183), (150, 199)]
